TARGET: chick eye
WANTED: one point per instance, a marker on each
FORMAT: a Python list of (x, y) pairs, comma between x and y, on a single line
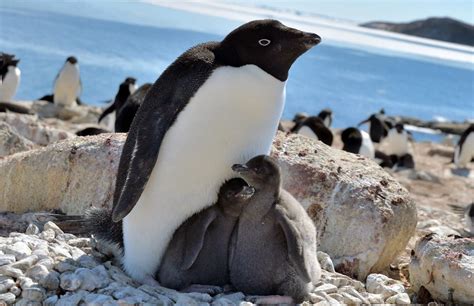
[(264, 42)]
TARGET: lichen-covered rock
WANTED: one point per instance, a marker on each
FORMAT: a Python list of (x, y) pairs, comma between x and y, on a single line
[(445, 267), (29, 127), (11, 142), (71, 175), (363, 216)]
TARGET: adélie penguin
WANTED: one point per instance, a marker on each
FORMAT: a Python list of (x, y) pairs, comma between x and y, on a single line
[(357, 142), (397, 141), (125, 115), (326, 116), (464, 151), (126, 88), (10, 76), (314, 127), (378, 129), (467, 213), (184, 137), (67, 85)]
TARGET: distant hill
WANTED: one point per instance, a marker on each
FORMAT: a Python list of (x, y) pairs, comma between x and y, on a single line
[(445, 29)]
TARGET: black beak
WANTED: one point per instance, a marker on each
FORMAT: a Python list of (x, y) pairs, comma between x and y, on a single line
[(240, 168), (246, 192), (310, 40)]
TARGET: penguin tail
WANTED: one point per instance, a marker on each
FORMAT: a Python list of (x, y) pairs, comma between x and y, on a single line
[(457, 209), (97, 222)]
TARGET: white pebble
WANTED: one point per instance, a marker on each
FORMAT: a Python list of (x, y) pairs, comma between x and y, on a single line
[(52, 226), (32, 229)]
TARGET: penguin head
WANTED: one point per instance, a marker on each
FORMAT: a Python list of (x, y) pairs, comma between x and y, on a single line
[(399, 128), (259, 172), (267, 44), (299, 117), (236, 189), (13, 62), (352, 140), (130, 84), (371, 119), (327, 112), (72, 60)]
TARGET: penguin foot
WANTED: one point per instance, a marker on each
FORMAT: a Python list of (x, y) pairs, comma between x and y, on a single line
[(208, 289), (270, 299)]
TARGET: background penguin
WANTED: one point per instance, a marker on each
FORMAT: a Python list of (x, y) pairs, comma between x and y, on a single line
[(464, 151), (467, 213), (326, 116), (126, 114), (9, 77), (377, 127), (357, 142), (397, 141), (299, 117), (273, 248), (14, 107), (91, 131), (314, 127), (126, 88), (187, 124), (67, 85), (199, 250)]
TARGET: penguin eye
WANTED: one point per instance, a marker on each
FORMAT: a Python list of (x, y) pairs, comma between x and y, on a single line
[(264, 42)]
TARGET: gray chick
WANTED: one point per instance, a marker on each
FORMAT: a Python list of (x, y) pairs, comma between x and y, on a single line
[(273, 248), (196, 259)]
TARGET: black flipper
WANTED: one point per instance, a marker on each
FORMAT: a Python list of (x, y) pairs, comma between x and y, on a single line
[(294, 241), (165, 100), (107, 111), (195, 232)]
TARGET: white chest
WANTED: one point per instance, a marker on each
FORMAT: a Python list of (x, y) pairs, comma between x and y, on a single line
[(9, 84), (397, 143), (230, 119), (67, 86), (306, 131), (464, 156), (367, 148)]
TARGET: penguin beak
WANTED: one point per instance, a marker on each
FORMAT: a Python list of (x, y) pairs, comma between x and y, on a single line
[(362, 122), (240, 169), (310, 40)]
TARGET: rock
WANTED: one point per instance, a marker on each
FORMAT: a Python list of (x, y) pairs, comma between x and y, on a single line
[(328, 288), (8, 298), (71, 299), (25, 263), (381, 284), (337, 188), (33, 293), (15, 290), (399, 299), (325, 262), (445, 267), (51, 301), (6, 283), (51, 226), (47, 279), (70, 281), (9, 271), (6, 259), (97, 299), (11, 142), (70, 175), (31, 128), (19, 249), (47, 235)]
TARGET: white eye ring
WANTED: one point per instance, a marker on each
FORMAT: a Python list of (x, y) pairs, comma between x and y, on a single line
[(264, 42)]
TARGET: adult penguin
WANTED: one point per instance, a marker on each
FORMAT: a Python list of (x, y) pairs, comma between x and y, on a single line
[(184, 139)]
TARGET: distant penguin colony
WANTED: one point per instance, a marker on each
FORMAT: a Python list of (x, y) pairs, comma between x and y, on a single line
[(464, 150), (287, 264), (314, 127), (183, 138), (10, 76)]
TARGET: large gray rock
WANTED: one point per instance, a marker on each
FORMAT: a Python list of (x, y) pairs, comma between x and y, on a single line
[(11, 142), (31, 128), (71, 175), (445, 267), (363, 216)]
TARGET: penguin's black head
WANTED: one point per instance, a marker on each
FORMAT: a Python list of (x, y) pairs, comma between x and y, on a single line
[(324, 113), (399, 128), (373, 118), (352, 140), (299, 117), (130, 80), (236, 189), (267, 44), (13, 62), (71, 60), (259, 172)]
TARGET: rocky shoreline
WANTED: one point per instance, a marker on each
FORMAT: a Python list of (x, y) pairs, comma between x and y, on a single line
[(376, 225)]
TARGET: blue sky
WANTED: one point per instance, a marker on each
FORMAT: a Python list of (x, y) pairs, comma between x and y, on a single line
[(369, 10)]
